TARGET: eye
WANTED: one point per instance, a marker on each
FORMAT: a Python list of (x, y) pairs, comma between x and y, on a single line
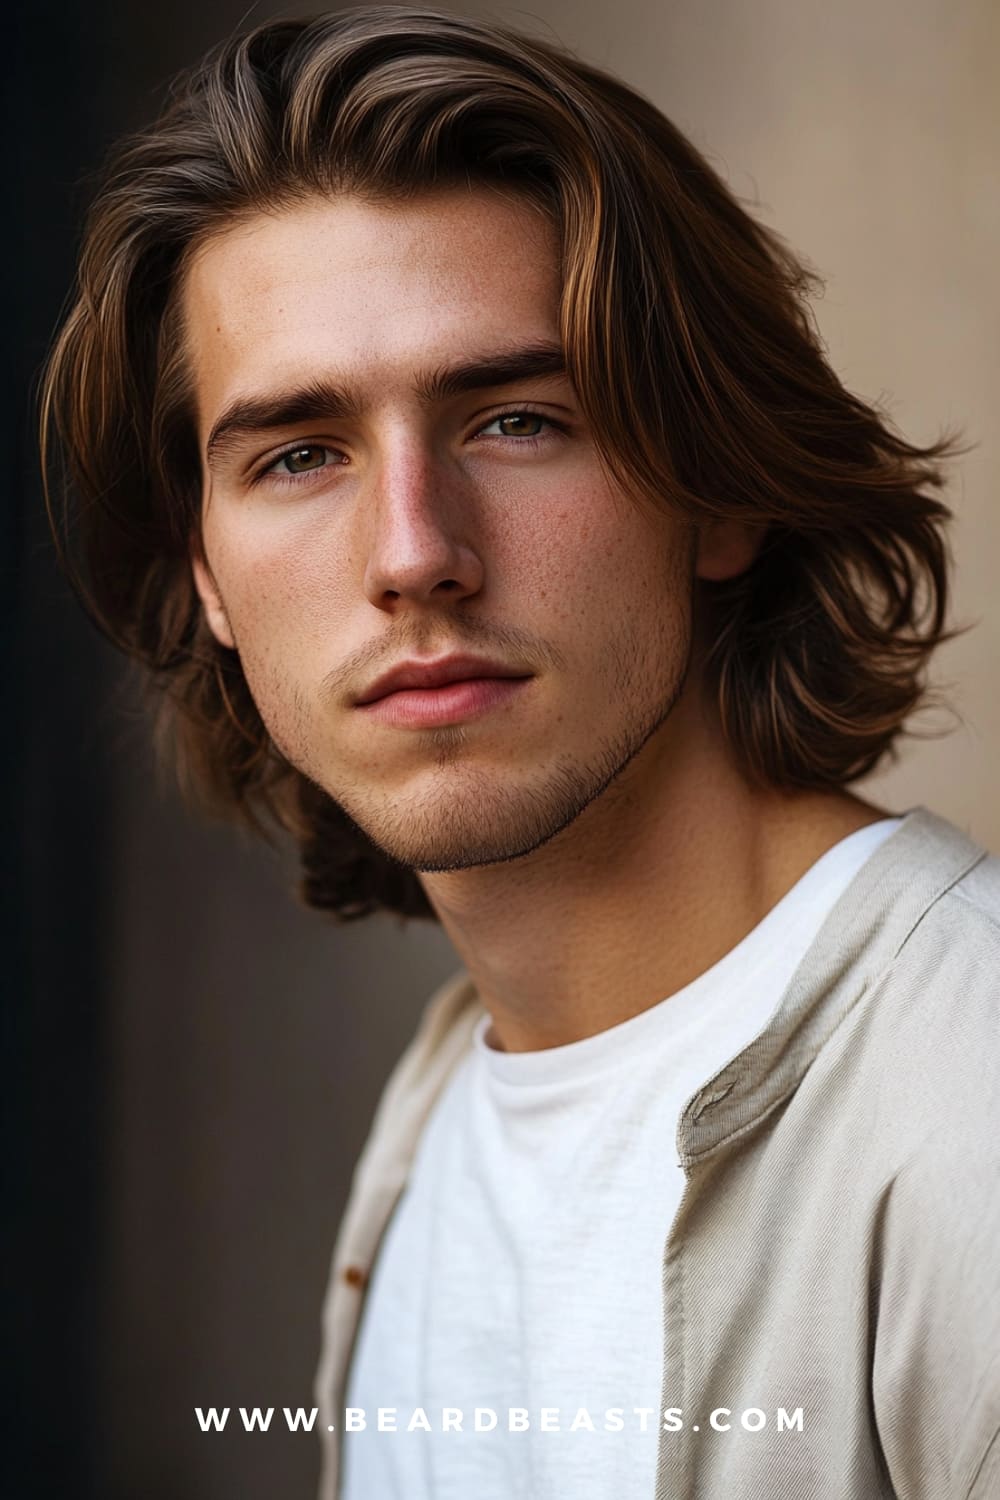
[(516, 424), (303, 460)]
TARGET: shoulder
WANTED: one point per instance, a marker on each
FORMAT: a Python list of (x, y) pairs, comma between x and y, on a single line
[(918, 1055), (964, 916), (930, 1019), (941, 986), (973, 903)]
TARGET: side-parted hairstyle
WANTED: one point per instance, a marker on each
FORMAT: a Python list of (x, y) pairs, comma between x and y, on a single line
[(688, 338)]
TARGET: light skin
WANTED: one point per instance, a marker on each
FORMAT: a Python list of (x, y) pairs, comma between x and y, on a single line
[(589, 844)]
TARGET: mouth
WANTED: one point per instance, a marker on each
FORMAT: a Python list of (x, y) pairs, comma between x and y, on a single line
[(446, 703)]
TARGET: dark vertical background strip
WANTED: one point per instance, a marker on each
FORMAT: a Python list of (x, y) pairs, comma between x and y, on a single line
[(58, 779)]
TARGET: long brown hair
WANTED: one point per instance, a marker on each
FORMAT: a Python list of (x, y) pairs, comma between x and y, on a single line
[(688, 336)]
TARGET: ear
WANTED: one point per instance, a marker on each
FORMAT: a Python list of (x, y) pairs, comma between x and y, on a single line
[(211, 600), (726, 548)]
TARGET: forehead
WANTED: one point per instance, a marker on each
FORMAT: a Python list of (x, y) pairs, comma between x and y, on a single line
[(366, 291)]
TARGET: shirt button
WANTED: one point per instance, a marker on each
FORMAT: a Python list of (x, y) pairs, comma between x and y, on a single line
[(355, 1276)]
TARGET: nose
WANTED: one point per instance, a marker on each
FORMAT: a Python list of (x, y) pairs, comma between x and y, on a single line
[(420, 520)]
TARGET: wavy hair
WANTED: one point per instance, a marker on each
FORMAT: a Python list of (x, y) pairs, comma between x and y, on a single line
[(688, 336)]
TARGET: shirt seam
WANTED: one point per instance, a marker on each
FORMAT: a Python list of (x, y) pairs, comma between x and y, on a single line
[(983, 911)]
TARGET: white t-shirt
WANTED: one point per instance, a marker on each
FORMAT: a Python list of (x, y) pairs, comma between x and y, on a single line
[(521, 1268)]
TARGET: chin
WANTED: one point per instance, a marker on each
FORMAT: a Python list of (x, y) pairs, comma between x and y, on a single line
[(481, 821), (458, 816), (452, 842)]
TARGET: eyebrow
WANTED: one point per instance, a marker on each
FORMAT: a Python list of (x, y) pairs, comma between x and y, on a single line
[(249, 416)]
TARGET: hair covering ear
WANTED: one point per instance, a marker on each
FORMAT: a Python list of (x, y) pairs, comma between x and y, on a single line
[(726, 549)]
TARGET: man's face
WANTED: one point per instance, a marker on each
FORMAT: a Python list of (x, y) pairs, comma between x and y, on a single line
[(364, 511)]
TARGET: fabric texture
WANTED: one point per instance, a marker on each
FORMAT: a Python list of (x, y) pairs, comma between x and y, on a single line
[(834, 1250)]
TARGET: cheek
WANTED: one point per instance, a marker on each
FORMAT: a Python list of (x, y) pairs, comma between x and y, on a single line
[(595, 560), (283, 647), (563, 539), (634, 594), (284, 603)]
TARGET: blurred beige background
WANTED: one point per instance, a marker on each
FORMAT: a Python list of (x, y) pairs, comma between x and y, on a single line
[(249, 1039)]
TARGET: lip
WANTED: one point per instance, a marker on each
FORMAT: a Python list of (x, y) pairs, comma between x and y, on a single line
[(451, 703), (435, 675)]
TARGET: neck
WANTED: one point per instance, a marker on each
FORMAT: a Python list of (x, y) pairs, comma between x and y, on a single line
[(650, 886)]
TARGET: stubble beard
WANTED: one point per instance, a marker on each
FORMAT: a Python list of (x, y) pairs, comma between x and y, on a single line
[(476, 819)]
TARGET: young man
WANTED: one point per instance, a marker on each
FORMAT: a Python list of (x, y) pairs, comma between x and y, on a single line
[(462, 459)]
